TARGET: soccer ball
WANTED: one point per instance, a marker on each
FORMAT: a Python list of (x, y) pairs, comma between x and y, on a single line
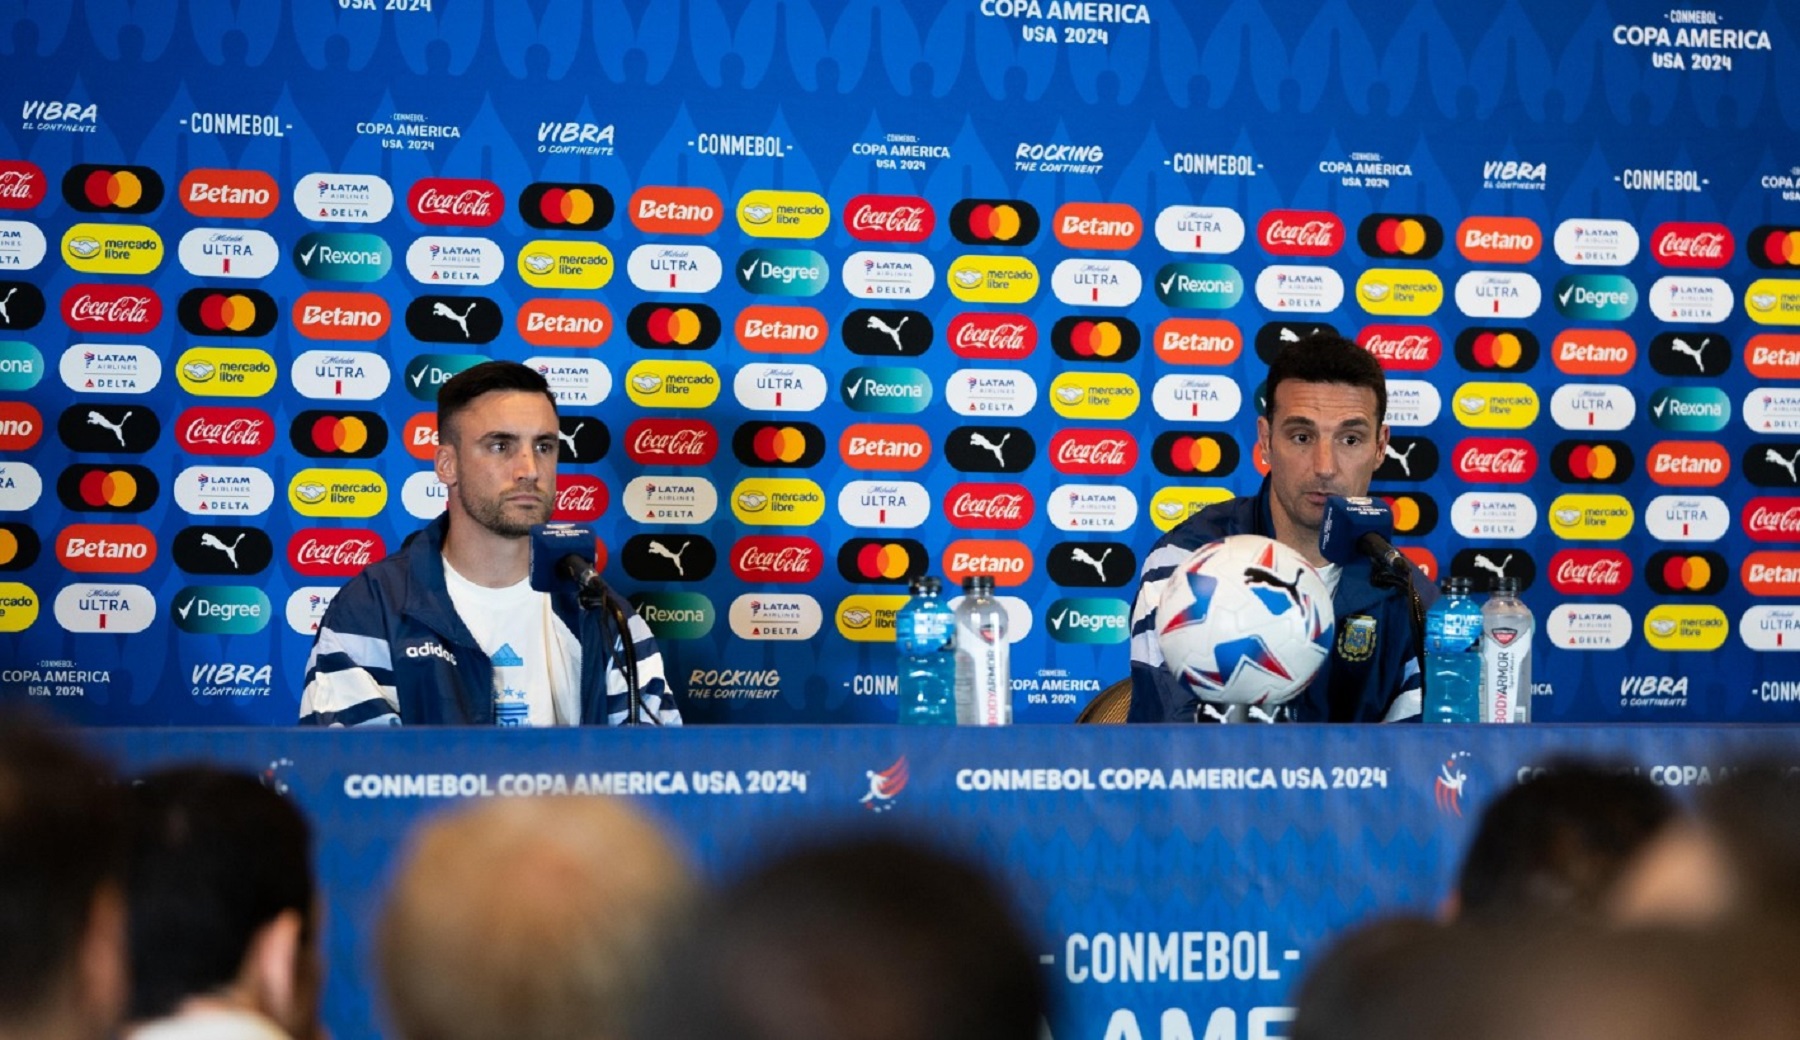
[(1245, 620)]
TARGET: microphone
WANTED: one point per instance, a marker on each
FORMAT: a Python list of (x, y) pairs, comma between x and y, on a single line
[(564, 552), (1359, 526)]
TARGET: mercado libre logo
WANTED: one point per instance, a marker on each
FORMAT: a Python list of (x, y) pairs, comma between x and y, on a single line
[(885, 786), (1447, 789)]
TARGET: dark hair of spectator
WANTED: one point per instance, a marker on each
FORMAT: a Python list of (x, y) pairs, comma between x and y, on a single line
[(461, 389), (1327, 358)]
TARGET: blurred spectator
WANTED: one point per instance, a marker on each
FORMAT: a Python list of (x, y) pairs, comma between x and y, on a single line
[(1347, 994), (866, 939), (529, 919), (224, 933), (62, 914)]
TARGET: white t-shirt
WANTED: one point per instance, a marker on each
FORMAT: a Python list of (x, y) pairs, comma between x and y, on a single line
[(537, 660)]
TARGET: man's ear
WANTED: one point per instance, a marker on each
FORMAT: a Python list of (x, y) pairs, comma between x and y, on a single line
[(1263, 430), (102, 960), (444, 463), (271, 965), (1381, 439)]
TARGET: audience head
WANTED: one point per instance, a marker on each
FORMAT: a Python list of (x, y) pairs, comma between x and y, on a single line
[(221, 898), (62, 915), (871, 938), (531, 919)]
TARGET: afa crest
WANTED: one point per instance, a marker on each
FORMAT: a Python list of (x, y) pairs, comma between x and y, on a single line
[(1357, 637)]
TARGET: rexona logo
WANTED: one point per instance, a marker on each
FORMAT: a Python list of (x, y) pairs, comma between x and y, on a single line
[(1686, 626), (100, 248), (1084, 282), (777, 502), (217, 549), (22, 305), (889, 218), (89, 607), (886, 389), (1766, 463), (886, 333), (349, 198), (1211, 342), (990, 449), (1496, 460), (989, 507), (1212, 287), (1690, 409), (1690, 354), (1594, 352), (22, 184), (1697, 464), (454, 260), (1008, 562), (564, 323), (1687, 518), (882, 561), (1588, 626), (868, 619), (1499, 240), (1689, 299), (1098, 225), (112, 189), (762, 615), (566, 207), (1091, 507), (1003, 392), (1603, 518), (22, 246), (975, 278), (1775, 248), (1402, 348), (1296, 232), (1091, 564), (879, 446), (778, 558), (1088, 452), (1498, 294), (106, 548), (456, 202), (344, 375), (230, 610), (357, 317), (21, 426), (994, 222), (334, 435), (782, 272), (1497, 350), (781, 388), (558, 264), (1088, 620), (579, 498), (1409, 459), (992, 336), (454, 319), (1590, 572), (655, 267), (766, 213), (1596, 243), (1592, 462), (1682, 244), (796, 445), (669, 557), (1506, 406), (226, 372), (229, 194), (1401, 236), (1198, 453), (767, 329), (1771, 573), (1199, 229), (87, 308), (1096, 338), (1773, 356), (1772, 519), (335, 552), (1592, 406), (1196, 398), (663, 210), (1694, 571), (321, 492), (228, 253), (670, 500), (884, 503), (342, 257), (214, 430), (1399, 291), (111, 488), (671, 442), (426, 373), (1095, 395), (223, 312)]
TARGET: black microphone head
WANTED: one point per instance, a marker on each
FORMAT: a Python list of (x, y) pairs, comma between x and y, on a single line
[(572, 566), (1348, 521), (550, 543)]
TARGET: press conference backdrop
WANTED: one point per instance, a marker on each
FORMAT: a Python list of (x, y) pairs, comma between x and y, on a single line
[(832, 294)]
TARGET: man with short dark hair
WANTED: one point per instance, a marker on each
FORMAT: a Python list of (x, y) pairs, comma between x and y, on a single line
[(1325, 434), (62, 914), (224, 933), (448, 629)]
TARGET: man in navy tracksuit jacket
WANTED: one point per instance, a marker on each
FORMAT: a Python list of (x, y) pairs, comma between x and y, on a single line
[(1325, 434)]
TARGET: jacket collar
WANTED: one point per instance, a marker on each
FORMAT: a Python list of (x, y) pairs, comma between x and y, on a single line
[(1354, 593)]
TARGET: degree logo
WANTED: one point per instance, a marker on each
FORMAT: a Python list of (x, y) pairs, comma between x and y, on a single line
[(358, 317), (1691, 572), (1580, 517), (21, 426), (22, 184), (222, 610), (112, 189), (110, 248), (22, 305), (106, 548), (558, 264), (777, 501), (1169, 506), (1506, 406), (662, 268), (1098, 225), (1195, 453), (1682, 244), (884, 446), (1212, 342), (317, 492), (1596, 297), (1089, 620), (331, 435), (868, 619), (789, 445), (782, 272), (766, 213), (1400, 236), (226, 372), (1095, 338), (768, 329), (691, 326), (672, 384), (19, 549), (889, 218), (994, 222), (977, 278), (1497, 350), (1594, 352), (1773, 301), (1592, 462), (1770, 356), (1110, 396), (1499, 240), (111, 488), (882, 561), (1199, 229), (229, 194), (564, 323), (566, 207), (456, 202), (425, 374), (342, 257), (227, 312), (664, 210), (1773, 247), (1213, 287), (454, 319), (1686, 627), (887, 333)]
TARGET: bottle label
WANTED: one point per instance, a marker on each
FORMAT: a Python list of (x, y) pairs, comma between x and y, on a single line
[(1506, 674)]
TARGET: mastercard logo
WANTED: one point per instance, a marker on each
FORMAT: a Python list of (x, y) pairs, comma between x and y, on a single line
[(235, 313), (777, 445), (120, 489), (571, 207), (1497, 350), (1077, 338), (1414, 515), (1686, 573), (355, 435), (692, 326), (1592, 462), (1189, 454), (1777, 247), (112, 189), (1402, 236), (994, 222), (115, 489), (878, 561), (19, 547)]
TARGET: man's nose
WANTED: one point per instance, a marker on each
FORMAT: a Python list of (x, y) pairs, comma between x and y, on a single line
[(1324, 458)]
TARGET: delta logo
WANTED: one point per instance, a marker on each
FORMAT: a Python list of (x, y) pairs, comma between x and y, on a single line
[(229, 194), (227, 312), (1402, 348), (334, 435), (1499, 240), (664, 210), (210, 430), (1211, 342), (1595, 352), (1691, 572), (583, 324), (1771, 573), (671, 442), (1093, 338), (1773, 356), (884, 446), (882, 561), (780, 558), (106, 548), (1775, 248), (579, 498), (1009, 563), (107, 488), (22, 245), (784, 445), (456, 202), (112, 189), (1098, 225), (1590, 572), (226, 372), (319, 492), (357, 317), (334, 552), (21, 426), (1495, 460), (1690, 463), (1297, 232), (1400, 236), (992, 336), (1003, 507), (110, 309), (1195, 453), (1592, 462), (889, 218), (767, 213), (1692, 244), (1085, 452), (22, 184), (1497, 350), (566, 207), (770, 329), (994, 222)]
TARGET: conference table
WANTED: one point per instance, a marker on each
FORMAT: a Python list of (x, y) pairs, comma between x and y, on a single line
[(1179, 880)]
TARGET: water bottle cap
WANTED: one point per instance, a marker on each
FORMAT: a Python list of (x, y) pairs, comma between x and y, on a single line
[(1506, 586), (925, 585), (978, 583), (1458, 585)]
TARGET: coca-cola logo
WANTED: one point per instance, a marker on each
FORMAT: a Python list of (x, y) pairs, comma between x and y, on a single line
[(1772, 519), (1502, 460), (319, 552), (1403, 348), (1005, 507), (1094, 452), (22, 184), (671, 442), (1590, 572), (1292, 232), (579, 497), (462, 202), (783, 558), (992, 336), (225, 431), (129, 309), (889, 218), (1689, 244)]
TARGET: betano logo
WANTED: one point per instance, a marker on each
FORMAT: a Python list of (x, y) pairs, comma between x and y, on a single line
[(777, 502), (1774, 573), (663, 210), (1400, 236), (1594, 352), (1686, 626), (565, 264), (22, 426), (112, 248), (356, 317), (1499, 240), (867, 618), (1399, 291), (1503, 406), (19, 606), (1098, 225), (769, 329), (1169, 506), (1688, 464), (1211, 342), (1591, 518), (1095, 395), (583, 324), (318, 492), (1773, 301), (106, 548), (229, 194), (1009, 563), (226, 372), (975, 278), (766, 213), (884, 446), (1773, 356)]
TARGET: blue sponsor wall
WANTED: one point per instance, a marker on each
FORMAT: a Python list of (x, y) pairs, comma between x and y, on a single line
[(835, 293)]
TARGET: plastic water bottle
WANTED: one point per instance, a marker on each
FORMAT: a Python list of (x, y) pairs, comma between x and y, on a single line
[(923, 635), (1507, 628), (983, 672), (1453, 655)]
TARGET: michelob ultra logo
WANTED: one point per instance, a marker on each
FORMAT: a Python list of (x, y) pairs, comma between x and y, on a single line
[(1085, 282), (89, 607), (1600, 518), (868, 618), (1095, 395), (1169, 506), (350, 375), (1199, 229), (227, 610), (672, 384), (886, 389), (762, 387), (976, 278), (766, 213), (333, 256), (1773, 301), (663, 210), (18, 606), (660, 267), (558, 264), (1503, 406), (1088, 619), (426, 373), (112, 248), (228, 253), (1690, 409), (1212, 287), (21, 487), (226, 372), (782, 272), (1771, 627), (1498, 294), (883, 503), (361, 317), (317, 491), (1402, 291), (1686, 626), (1187, 398), (676, 615), (1687, 518), (1596, 297), (1592, 406), (777, 502)]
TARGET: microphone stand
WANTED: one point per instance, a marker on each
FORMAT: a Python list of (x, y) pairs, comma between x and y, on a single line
[(594, 597), (1389, 577)]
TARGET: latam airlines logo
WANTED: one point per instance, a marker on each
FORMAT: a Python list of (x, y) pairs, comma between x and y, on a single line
[(89, 308), (454, 260), (22, 247), (456, 202), (997, 392), (110, 369), (1588, 626), (224, 491), (574, 382), (1494, 514), (1596, 243), (1687, 299), (22, 184), (1300, 289), (1291, 232), (670, 500), (763, 615), (1091, 507), (889, 218), (348, 198)]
